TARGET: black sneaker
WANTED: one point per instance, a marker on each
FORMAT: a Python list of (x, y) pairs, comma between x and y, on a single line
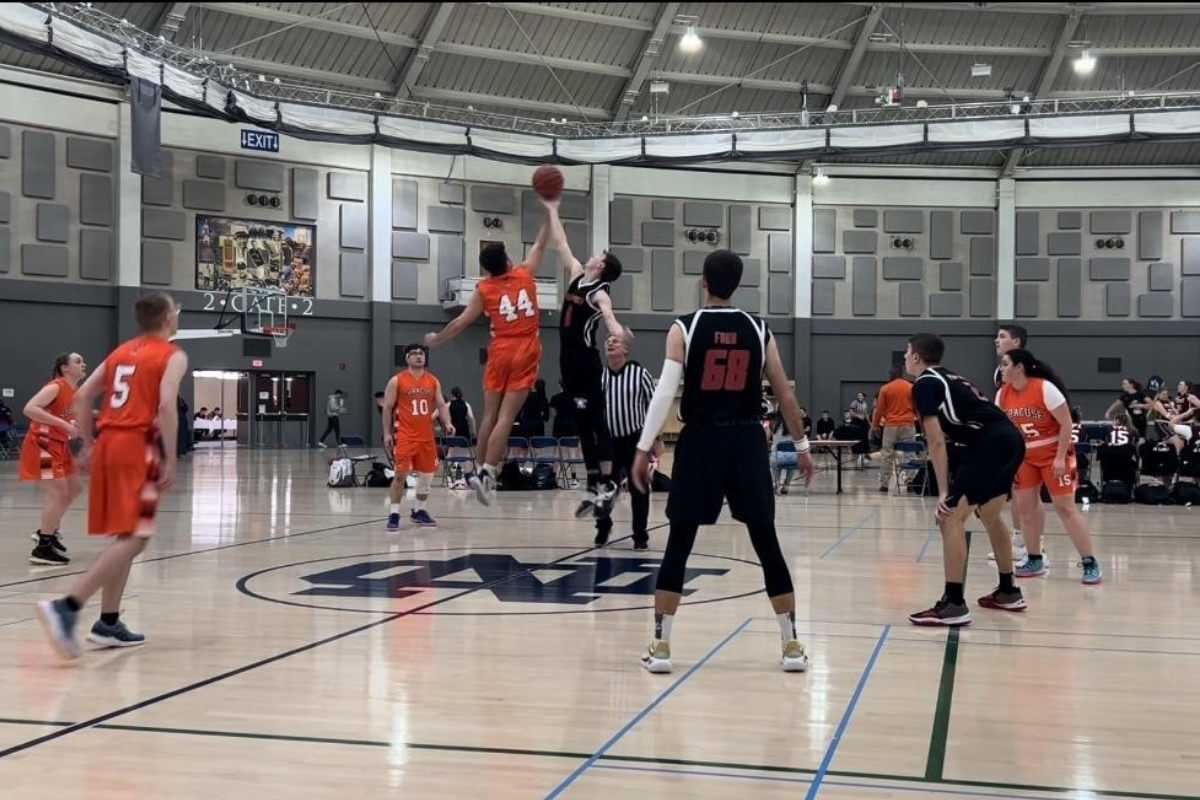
[(45, 555), (55, 540), (606, 495), (601, 538), (641, 544), (944, 614), (1001, 600)]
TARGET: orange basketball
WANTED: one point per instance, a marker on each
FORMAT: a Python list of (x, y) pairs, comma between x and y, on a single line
[(548, 181)]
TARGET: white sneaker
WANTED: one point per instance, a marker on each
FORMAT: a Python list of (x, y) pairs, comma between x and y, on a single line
[(794, 657), (484, 485), (657, 658), (1019, 555)]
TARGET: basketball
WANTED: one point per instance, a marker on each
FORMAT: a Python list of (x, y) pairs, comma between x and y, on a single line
[(548, 181)]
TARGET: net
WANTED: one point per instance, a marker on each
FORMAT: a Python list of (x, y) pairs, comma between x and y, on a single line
[(280, 333)]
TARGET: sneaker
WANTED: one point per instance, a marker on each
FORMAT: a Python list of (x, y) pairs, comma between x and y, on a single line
[(421, 517), (116, 635), (393, 523), (45, 555), (59, 623), (484, 484), (1020, 554), (588, 504), (601, 538), (657, 658), (641, 542), (1032, 568), (944, 613), (1001, 600), (794, 657), (1091, 571), (55, 541), (605, 497)]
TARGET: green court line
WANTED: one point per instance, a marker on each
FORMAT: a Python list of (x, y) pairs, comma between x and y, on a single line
[(679, 762), (936, 763)]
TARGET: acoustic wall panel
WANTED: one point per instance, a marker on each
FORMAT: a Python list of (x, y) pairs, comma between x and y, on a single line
[(859, 242), (825, 230), (574, 206), (44, 259), (38, 164), (774, 218), (824, 296), (1190, 252), (160, 191), (912, 300), (693, 262), (779, 295), (977, 223), (751, 272), (156, 263), (411, 246), (1070, 287), (982, 297), (950, 277), (263, 176), (868, 217), (353, 275), (1117, 299), (941, 234), (1108, 269), (1070, 221), (306, 193), (212, 167), (864, 280), (6, 204), (348, 186), (452, 194), (492, 200), (702, 215), (1191, 297), (1033, 269), (404, 280), (53, 222), (1162, 277), (1029, 237), (160, 224), (620, 221), (1156, 305), (633, 259), (1027, 296), (95, 254), (983, 256), (1150, 235), (749, 300), (946, 305), (204, 195), (829, 267), (658, 234), (5, 141), (662, 209), (1064, 244), (353, 218), (5, 250), (739, 240), (446, 219), (779, 252), (450, 255), (1185, 222), (903, 268), (903, 220), (662, 280), (90, 154), (622, 295), (404, 203), (1111, 222)]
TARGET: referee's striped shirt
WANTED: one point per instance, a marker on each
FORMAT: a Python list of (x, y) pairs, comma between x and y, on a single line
[(627, 396)]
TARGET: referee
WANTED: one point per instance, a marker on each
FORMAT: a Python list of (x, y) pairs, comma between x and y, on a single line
[(628, 389)]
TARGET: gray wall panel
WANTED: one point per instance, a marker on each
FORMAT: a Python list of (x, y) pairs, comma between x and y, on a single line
[(577, 239), (1070, 221), (38, 162), (859, 241), (1033, 269), (703, 215), (404, 204), (446, 219), (869, 217), (1108, 269), (693, 261), (1191, 297), (779, 252), (450, 256), (1063, 244), (492, 200), (90, 154), (156, 263), (1190, 256), (204, 195), (620, 221), (95, 254), (1150, 235), (662, 209), (306, 193), (903, 268), (1070, 287), (451, 194), (1029, 234), (353, 217), (260, 175), (6, 206), (532, 217), (983, 297), (912, 300), (748, 300), (751, 272), (658, 234), (622, 296), (739, 229), (662, 280), (404, 280), (1115, 222), (825, 230), (348, 186), (159, 224), (44, 259), (1027, 297), (633, 259), (1117, 300), (824, 297), (779, 295), (829, 266), (574, 205), (774, 218), (941, 234), (1185, 222), (865, 278), (950, 277), (946, 305), (5, 141), (5, 250), (95, 200), (411, 246), (160, 191), (978, 223), (53, 222), (353, 275), (1162, 277), (903, 220), (212, 167), (983, 256), (1158, 304)]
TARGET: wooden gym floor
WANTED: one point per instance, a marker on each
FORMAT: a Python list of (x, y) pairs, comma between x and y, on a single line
[(296, 645)]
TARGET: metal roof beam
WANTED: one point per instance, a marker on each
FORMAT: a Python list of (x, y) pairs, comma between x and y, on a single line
[(960, 49), (766, 38), (1055, 9), (1045, 84), (265, 67), (475, 51), (419, 58), (306, 21), (572, 14), (822, 88), (853, 61), (169, 19), (541, 106), (650, 51)]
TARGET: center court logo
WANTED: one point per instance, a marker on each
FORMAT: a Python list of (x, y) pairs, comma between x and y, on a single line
[(520, 583)]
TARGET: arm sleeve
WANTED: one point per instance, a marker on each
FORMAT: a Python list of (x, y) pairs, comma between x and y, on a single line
[(1052, 398), (660, 406)]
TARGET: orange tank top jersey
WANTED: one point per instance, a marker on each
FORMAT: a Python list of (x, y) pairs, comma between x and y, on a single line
[(62, 406), (1029, 410), (416, 402), (133, 375), (511, 303)]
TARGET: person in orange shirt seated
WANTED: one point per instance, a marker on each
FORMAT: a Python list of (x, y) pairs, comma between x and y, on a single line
[(896, 417)]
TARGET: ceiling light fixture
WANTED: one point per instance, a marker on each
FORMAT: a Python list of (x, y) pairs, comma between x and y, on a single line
[(690, 43), (1085, 64), (981, 70), (819, 177)]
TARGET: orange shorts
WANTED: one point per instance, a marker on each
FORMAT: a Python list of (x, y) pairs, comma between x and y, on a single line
[(123, 490), (1038, 470), (45, 459), (419, 455), (512, 364)]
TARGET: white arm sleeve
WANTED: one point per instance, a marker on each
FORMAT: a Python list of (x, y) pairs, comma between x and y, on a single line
[(660, 406), (1052, 398)]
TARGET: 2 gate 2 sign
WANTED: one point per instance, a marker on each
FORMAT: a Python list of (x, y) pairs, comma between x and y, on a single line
[(281, 304), (261, 141)]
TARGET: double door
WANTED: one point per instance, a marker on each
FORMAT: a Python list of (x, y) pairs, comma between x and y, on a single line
[(274, 409)]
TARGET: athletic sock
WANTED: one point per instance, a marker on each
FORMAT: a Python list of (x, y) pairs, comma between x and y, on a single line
[(110, 618), (954, 593), (787, 625), (662, 626), (71, 603), (418, 505), (396, 506), (1006, 582), (490, 469)]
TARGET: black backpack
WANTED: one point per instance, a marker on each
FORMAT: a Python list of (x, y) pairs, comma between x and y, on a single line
[(1118, 492), (378, 477), (1159, 459), (1185, 493), (544, 477), (1087, 491), (1152, 494), (1189, 460)]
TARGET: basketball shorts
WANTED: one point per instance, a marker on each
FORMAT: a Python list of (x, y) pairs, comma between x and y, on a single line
[(989, 466), (718, 464), (123, 490), (512, 364), (420, 456), (44, 458), (1038, 470)]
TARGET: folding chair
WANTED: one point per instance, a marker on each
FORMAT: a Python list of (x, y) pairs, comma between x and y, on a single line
[(344, 445), (785, 450), (544, 450), (912, 458), (7, 440), (572, 444), (458, 452), (517, 443)]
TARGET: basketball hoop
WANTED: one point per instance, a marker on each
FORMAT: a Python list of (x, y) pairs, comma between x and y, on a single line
[(280, 333)]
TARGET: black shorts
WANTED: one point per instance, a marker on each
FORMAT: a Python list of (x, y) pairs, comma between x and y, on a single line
[(715, 464), (989, 466), (582, 373)]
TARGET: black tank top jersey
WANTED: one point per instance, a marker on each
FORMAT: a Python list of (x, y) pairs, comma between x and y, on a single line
[(580, 316), (725, 352), (960, 407)]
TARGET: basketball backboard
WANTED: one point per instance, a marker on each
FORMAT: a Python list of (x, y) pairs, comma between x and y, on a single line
[(257, 311)]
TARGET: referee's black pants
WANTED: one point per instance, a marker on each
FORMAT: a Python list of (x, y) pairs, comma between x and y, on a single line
[(624, 450)]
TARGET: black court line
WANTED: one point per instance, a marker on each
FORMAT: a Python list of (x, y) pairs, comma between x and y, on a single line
[(935, 765), (272, 659), (607, 757)]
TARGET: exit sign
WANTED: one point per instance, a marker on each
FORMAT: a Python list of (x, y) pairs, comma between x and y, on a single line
[(257, 140)]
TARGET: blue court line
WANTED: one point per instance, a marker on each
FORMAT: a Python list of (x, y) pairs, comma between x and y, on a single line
[(976, 627), (874, 513), (682, 679), (933, 526), (841, 728), (925, 789)]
